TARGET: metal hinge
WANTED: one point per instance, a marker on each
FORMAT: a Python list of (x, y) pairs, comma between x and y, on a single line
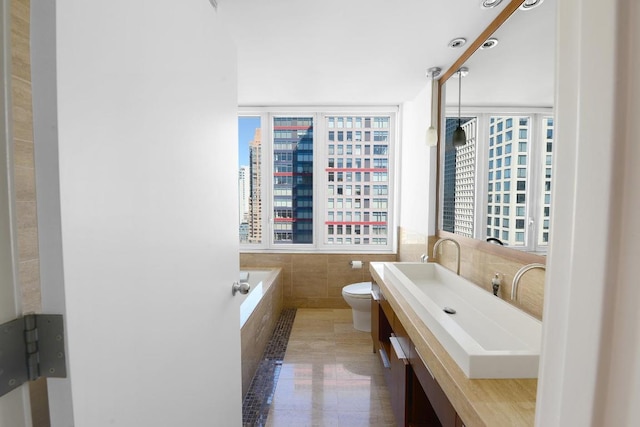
[(31, 347)]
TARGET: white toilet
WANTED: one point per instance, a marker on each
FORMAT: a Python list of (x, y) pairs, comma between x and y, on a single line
[(358, 296)]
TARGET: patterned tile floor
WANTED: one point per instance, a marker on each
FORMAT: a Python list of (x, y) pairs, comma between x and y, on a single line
[(329, 376), (255, 406)]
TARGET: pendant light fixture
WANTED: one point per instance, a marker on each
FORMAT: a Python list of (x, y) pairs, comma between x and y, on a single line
[(459, 136), (432, 132)]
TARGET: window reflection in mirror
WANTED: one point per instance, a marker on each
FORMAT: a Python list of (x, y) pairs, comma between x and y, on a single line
[(458, 207), (498, 185)]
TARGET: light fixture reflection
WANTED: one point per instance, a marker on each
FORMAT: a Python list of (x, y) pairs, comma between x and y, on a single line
[(459, 136)]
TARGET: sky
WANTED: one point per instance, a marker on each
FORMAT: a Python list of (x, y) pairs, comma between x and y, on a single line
[(246, 130)]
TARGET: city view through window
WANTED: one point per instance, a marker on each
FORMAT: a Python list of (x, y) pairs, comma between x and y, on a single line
[(498, 185), (329, 180), (250, 180)]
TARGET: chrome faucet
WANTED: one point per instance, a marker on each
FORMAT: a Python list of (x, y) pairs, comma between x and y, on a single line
[(518, 276), (437, 245)]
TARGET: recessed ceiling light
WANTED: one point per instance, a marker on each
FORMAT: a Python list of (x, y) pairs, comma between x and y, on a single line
[(456, 43), (530, 4), (488, 4), (434, 72), (492, 42)]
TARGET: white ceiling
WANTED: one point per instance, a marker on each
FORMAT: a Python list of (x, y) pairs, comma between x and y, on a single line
[(303, 52), (345, 52), (520, 70)]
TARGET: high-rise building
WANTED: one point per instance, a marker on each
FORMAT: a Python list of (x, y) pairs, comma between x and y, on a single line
[(244, 174), (255, 189), (545, 205), (512, 208), (509, 166), (466, 181), (459, 184), (292, 180), (244, 188), (357, 180)]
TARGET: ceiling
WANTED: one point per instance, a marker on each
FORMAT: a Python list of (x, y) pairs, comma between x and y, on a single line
[(345, 52), (519, 71)]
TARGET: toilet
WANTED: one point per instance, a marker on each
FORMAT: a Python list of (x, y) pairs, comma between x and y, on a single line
[(358, 296)]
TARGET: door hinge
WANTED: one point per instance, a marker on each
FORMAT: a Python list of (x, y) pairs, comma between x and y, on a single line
[(31, 347)]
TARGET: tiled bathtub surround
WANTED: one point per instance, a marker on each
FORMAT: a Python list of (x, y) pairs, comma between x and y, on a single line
[(256, 333), (314, 280)]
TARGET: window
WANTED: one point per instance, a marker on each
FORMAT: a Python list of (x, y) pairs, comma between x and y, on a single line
[(544, 200), (515, 166), (250, 180), (320, 184), (459, 179)]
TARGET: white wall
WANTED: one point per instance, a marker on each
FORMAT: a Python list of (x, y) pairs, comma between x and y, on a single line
[(45, 131), (617, 398), (590, 367), (417, 171), (145, 132)]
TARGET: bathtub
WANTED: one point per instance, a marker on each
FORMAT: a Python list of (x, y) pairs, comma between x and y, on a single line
[(260, 281), (259, 313)]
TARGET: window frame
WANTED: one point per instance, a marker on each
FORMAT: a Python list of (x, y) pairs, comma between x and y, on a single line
[(536, 163), (320, 177)]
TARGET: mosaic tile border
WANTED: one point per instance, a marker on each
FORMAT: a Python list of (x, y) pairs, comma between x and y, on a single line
[(255, 406)]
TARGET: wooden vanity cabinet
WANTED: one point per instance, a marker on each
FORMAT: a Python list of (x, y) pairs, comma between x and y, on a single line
[(399, 382), (438, 400), (416, 397)]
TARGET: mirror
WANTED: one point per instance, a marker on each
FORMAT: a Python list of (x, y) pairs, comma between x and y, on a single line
[(497, 187)]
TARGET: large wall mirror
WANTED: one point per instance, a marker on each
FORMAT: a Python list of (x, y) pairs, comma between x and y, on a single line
[(497, 186)]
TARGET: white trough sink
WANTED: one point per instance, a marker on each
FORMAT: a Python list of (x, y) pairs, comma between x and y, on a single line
[(486, 337)]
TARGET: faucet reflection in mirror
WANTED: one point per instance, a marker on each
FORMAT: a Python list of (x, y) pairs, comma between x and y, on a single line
[(437, 245), (518, 276)]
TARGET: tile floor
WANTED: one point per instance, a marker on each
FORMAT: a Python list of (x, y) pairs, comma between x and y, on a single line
[(329, 375), (256, 403)]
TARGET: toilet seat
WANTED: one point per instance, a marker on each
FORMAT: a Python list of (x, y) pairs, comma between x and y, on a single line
[(358, 290)]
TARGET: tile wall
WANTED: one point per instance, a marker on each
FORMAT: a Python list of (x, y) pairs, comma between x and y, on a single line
[(29, 269), (315, 280), (24, 170), (479, 263), (411, 245)]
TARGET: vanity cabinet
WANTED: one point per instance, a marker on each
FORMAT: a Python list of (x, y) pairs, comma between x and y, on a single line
[(438, 400), (416, 397)]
